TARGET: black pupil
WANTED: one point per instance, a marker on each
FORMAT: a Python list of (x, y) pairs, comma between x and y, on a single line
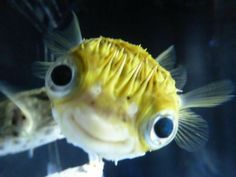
[(61, 75), (163, 127)]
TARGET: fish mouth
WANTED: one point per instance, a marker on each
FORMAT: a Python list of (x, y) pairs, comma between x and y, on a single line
[(93, 142), (89, 134)]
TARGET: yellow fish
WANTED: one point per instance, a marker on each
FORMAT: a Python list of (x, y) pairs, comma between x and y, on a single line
[(113, 99)]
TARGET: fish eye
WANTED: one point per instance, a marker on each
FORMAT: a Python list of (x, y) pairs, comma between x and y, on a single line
[(60, 79), (163, 127), (160, 131), (61, 75)]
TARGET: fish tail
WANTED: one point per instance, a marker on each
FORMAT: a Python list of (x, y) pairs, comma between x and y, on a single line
[(59, 42), (55, 20), (58, 24), (208, 96), (44, 15), (63, 39)]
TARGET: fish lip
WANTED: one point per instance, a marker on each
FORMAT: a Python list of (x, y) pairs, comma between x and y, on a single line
[(85, 139), (89, 134), (114, 150)]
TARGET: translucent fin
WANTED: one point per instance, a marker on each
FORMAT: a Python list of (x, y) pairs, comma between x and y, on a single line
[(72, 32), (54, 162), (31, 153), (208, 96), (55, 20), (192, 132), (9, 92), (27, 9), (44, 15), (61, 40), (167, 58), (40, 68), (180, 76)]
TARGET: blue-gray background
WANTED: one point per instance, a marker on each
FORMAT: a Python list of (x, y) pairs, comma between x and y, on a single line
[(204, 34)]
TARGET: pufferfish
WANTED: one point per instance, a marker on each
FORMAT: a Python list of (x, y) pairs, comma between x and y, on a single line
[(113, 99)]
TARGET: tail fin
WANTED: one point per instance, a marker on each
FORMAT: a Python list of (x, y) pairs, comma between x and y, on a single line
[(55, 20), (208, 96), (61, 40), (60, 27), (193, 130), (44, 15)]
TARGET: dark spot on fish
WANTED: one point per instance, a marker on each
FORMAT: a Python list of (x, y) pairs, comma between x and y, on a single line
[(1, 147), (41, 96), (14, 133), (17, 118), (48, 131), (16, 142), (154, 83), (14, 120), (124, 118), (23, 117), (128, 97), (92, 102)]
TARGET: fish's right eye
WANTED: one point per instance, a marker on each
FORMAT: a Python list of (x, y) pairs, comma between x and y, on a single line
[(61, 75), (60, 79)]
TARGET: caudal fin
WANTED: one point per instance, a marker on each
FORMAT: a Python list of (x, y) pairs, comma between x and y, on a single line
[(55, 20), (208, 96)]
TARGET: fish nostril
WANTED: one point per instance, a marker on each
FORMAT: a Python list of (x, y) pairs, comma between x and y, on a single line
[(61, 75)]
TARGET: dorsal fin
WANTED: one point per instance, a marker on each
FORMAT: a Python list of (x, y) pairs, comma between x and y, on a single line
[(167, 58), (180, 76), (61, 28), (60, 41)]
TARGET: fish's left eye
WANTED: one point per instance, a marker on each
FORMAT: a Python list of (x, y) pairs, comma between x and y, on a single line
[(163, 127), (160, 131)]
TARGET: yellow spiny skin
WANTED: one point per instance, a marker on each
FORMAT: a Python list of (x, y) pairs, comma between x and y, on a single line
[(118, 88)]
